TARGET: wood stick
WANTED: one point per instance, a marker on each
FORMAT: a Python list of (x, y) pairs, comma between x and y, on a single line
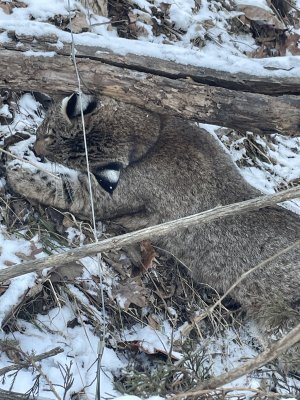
[(147, 233)]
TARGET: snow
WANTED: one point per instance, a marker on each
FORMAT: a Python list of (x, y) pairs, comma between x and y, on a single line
[(31, 53), (53, 328), (226, 56), (143, 4), (4, 111)]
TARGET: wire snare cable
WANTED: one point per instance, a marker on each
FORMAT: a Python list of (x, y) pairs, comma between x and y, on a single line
[(101, 343)]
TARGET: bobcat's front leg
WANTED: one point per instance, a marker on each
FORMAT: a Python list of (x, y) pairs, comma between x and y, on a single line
[(59, 191), (70, 191)]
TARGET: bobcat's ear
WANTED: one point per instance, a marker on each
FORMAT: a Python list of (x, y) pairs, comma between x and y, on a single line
[(71, 107)]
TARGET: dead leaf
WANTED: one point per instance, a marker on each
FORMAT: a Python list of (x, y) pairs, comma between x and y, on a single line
[(291, 44), (153, 321), (11, 349), (8, 263), (79, 23), (6, 7), (148, 254), (99, 7), (143, 346), (261, 16), (36, 289), (3, 289), (34, 250), (67, 272), (130, 293), (165, 8), (16, 138), (24, 256)]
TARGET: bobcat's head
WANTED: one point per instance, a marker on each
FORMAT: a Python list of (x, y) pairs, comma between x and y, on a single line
[(117, 134)]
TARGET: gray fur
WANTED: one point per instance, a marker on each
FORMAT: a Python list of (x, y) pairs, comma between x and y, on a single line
[(171, 169)]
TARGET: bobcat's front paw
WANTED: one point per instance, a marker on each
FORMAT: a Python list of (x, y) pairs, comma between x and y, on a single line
[(23, 181), (35, 184)]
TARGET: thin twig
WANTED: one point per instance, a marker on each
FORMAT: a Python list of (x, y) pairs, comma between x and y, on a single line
[(30, 360), (147, 233), (40, 370)]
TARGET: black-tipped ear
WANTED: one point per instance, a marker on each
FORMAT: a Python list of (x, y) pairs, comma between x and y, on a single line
[(71, 106)]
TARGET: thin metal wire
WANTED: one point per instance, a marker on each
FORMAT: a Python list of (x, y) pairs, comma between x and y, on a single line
[(101, 343)]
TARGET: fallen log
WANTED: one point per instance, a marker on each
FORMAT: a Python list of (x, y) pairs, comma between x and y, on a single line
[(181, 97), (270, 85)]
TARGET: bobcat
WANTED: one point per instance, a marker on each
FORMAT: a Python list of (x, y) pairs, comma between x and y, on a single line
[(148, 169)]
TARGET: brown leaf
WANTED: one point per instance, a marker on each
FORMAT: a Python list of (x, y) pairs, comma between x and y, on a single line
[(24, 256), (99, 7), (130, 293), (291, 44), (165, 7), (140, 345), (34, 250), (148, 254), (11, 348), (36, 289), (3, 289), (261, 16), (153, 322), (8, 263), (6, 7), (67, 272), (79, 23)]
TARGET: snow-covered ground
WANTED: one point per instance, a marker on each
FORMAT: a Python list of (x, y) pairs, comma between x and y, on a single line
[(70, 318)]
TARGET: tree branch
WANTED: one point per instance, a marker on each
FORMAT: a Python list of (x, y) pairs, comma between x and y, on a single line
[(147, 233)]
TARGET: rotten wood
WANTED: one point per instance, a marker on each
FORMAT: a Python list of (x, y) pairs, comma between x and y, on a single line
[(182, 97), (147, 233)]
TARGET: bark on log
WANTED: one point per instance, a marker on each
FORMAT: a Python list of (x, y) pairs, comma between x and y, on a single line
[(147, 233), (185, 98)]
